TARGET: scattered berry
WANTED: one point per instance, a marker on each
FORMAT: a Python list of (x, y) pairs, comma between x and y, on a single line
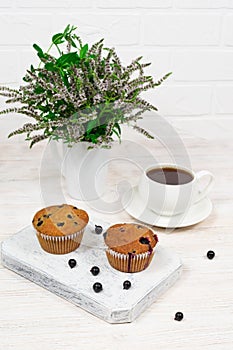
[(126, 284), (97, 287), (210, 254), (69, 216), (95, 270), (98, 229), (179, 316), (39, 223), (72, 263)]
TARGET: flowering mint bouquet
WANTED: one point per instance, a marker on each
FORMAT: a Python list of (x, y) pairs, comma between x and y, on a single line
[(82, 94)]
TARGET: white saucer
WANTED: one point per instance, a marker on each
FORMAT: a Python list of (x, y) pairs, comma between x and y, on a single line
[(134, 206)]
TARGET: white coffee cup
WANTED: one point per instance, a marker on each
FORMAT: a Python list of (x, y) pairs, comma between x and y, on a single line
[(166, 199)]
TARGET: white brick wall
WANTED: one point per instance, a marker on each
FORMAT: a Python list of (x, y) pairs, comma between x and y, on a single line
[(181, 29), (191, 38), (203, 65)]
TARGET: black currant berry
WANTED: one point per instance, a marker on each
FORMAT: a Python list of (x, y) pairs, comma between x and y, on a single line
[(144, 240), (95, 270), (126, 284), (97, 287), (210, 254), (60, 224), (179, 316), (98, 229), (72, 263)]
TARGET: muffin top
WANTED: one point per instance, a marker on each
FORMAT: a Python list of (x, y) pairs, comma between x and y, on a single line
[(130, 238), (60, 220)]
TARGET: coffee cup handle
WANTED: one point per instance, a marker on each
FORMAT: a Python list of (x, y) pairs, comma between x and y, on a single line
[(199, 176)]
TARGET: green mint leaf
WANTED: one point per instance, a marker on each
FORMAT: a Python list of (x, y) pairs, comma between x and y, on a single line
[(37, 48), (50, 66), (58, 39), (66, 31), (83, 51), (68, 58)]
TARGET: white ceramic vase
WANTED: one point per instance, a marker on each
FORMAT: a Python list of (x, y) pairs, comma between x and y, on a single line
[(85, 170)]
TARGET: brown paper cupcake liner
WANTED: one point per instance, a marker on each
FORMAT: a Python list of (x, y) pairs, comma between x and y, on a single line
[(129, 262), (60, 244)]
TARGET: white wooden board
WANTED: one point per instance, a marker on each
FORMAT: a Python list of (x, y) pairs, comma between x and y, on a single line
[(23, 254)]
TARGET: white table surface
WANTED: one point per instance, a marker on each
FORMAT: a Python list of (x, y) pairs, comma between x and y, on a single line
[(33, 318)]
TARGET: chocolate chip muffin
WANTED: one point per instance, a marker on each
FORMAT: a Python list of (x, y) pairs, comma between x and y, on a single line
[(60, 228), (130, 246)]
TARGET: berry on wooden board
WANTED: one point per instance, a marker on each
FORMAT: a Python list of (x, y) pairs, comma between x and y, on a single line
[(97, 287), (72, 263), (95, 270), (126, 284)]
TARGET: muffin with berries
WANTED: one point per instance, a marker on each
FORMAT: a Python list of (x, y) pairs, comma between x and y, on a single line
[(60, 228), (130, 246)]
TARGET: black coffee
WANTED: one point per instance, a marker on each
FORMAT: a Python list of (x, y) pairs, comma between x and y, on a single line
[(170, 176)]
